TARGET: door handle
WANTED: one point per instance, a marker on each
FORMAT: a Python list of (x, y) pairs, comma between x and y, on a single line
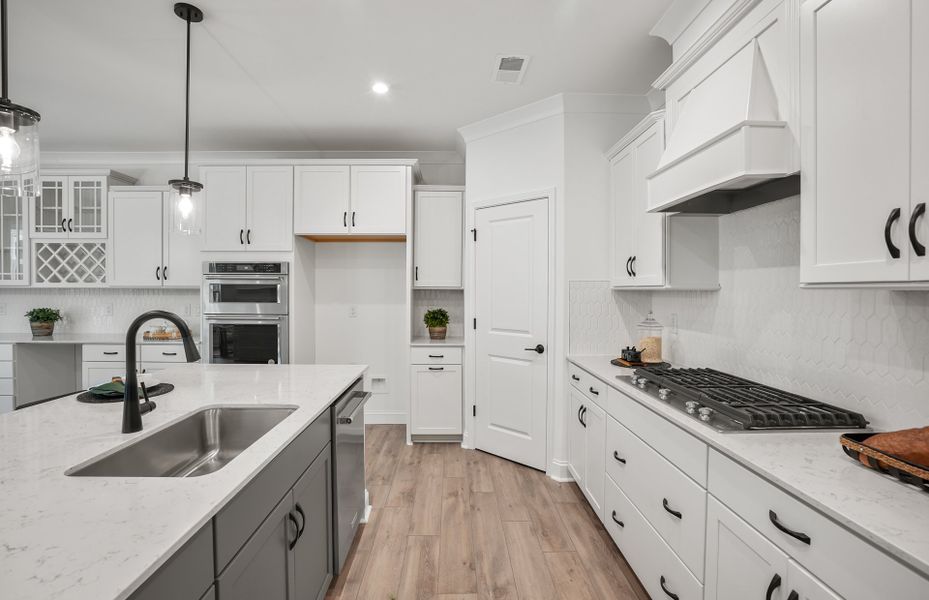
[(63, 221), (794, 534), (618, 458), (593, 391), (775, 583), (583, 413), (241, 233), (164, 273), (632, 266), (918, 247), (539, 348), (416, 274), (628, 270), (665, 589), (575, 377), (667, 507), (888, 239), (579, 409), (302, 520), (793, 595)]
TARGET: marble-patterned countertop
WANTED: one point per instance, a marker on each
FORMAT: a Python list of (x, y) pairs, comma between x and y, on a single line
[(98, 538), (75, 338), (812, 467)]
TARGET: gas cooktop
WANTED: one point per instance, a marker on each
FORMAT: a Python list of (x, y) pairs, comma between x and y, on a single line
[(729, 403)]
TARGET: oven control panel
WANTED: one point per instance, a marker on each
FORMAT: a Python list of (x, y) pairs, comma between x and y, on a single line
[(245, 268)]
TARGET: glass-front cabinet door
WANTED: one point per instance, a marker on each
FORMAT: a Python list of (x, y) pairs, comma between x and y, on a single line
[(14, 250), (87, 197), (50, 209)]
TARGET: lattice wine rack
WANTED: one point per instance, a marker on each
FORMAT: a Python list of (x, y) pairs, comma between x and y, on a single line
[(70, 263)]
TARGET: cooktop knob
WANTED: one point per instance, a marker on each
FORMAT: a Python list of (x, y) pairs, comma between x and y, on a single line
[(642, 382), (705, 413), (691, 406), (663, 393)]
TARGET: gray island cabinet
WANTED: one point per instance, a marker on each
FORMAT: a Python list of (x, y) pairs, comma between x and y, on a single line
[(272, 541)]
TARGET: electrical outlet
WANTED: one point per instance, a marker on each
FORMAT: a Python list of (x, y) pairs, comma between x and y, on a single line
[(352, 312), (108, 309)]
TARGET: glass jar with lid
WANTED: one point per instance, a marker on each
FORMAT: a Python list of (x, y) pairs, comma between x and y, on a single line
[(650, 339)]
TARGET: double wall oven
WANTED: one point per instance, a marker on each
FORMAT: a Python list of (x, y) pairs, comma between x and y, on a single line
[(245, 312)]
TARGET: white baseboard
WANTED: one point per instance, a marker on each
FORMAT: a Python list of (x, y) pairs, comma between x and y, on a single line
[(558, 470), (385, 417)]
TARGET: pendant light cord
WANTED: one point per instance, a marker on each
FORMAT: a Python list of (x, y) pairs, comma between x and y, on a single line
[(3, 60), (186, 99)]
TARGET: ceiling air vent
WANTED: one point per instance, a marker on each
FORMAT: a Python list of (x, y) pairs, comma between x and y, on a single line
[(510, 68)]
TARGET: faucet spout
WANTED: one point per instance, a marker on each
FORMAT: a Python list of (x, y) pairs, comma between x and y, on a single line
[(132, 416)]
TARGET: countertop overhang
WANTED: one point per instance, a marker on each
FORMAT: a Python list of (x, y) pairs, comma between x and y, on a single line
[(100, 538)]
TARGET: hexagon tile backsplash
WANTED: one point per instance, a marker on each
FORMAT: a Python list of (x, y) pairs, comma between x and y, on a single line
[(862, 349)]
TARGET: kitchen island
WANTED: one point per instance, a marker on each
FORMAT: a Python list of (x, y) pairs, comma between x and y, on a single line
[(103, 537)]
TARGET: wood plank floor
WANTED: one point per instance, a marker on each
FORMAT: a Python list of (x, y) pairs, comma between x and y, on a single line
[(454, 524)]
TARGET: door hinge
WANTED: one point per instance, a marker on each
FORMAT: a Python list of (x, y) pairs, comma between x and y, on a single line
[(475, 323), (474, 232), (474, 410)]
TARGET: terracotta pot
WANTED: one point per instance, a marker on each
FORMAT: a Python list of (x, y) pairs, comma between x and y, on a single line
[(437, 333), (42, 328)]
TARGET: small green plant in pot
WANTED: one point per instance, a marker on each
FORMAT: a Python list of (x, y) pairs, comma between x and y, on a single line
[(42, 320), (436, 320)]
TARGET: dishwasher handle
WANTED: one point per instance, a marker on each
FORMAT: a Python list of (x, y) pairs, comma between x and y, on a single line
[(355, 405)]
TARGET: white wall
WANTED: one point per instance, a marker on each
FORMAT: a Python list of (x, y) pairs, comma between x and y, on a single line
[(371, 277)]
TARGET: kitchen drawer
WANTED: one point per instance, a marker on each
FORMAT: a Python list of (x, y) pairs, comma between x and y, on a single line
[(435, 356), (578, 376), (842, 560), (659, 489), (592, 387), (6, 351), (163, 353), (6, 370), (6, 404), (103, 352), (681, 449), (646, 552), (6, 387)]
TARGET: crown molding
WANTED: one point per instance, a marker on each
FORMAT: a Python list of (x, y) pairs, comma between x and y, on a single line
[(677, 18), (640, 128)]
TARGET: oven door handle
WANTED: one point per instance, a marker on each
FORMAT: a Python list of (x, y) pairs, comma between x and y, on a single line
[(243, 279), (246, 319), (361, 398)]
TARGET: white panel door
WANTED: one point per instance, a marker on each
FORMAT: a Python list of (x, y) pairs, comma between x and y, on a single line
[(224, 207), (87, 212), (321, 199), (577, 436), (379, 195), (648, 257), (801, 585), (855, 154), (740, 562), (437, 236), (436, 399), (623, 189), (135, 256), (511, 291), (919, 202), (594, 419), (270, 223), (182, 263)]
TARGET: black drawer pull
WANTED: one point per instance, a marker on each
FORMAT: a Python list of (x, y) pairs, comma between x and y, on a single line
[(169, 353), (583, 412), (665, 589), (628, 270), (158, 273), (793, 595), (164, 273), (617, 521), (775, 583), (888, 239), (302, 520), (436, 356), (594, 392), (918, 247), (248, 236), (241, 240), (575, 377), (344, 219), (70, 222), (353, 218), (63, 221), (579, 409), (293, 520), (795, 534), (436, 368), (113, 353), (617, 457), (667, 507), (632, 266), (416, 274)]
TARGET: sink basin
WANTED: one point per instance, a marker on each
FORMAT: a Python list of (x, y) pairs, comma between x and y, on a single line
[(198, 444)]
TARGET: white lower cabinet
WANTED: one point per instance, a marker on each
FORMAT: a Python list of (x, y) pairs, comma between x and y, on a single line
[(6, 378), (587, 446), (102, 362), (806, 587), (436, 396), (576, 440)]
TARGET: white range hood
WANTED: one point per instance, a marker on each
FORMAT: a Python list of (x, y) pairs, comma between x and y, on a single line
[(728, 136)]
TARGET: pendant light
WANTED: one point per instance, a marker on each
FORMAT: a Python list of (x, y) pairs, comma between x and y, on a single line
[(19, 126), (184, 192)]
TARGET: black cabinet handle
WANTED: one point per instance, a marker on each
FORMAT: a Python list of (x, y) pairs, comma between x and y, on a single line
[(583, 420), (575, 377), (628, 270), (632, 266), (416, 274), (169, 353), (158, 273), (248, 236), (353, 218), (618, 458), (579, 409), (775, 583), (617, 521), (436, 368), (538, 349), (667, 507), (795, 534), (63, 221), (793, 595), (665, 589), (110, 353), (594, 392), (345, 219), (918, 247), (436, 356), (241, 233), (893, 216), (164, 273), (293, 520), (70, 222), (302, 520)]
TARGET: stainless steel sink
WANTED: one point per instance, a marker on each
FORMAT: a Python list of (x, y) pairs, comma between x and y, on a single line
[(198, 444)]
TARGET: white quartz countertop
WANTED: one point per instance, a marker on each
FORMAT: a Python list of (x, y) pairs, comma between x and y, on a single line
[(75, 338), (812, 467), (99, 538)]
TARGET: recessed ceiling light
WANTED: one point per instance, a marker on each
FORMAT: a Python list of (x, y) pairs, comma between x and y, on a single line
[(380, 88)]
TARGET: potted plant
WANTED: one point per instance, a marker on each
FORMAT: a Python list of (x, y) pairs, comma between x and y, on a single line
[(42, 320), (436, 320)]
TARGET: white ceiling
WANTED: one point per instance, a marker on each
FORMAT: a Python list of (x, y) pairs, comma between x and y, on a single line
[(107, 75)]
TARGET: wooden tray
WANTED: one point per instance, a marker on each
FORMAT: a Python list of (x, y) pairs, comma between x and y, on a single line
[(902, 469)]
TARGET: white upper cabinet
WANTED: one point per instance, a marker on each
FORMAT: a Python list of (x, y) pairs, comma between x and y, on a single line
[(322, 199), (865, 141), (379, 197), (14, 249), (248, 208), (437, 238), (73, 205), (652, 250)]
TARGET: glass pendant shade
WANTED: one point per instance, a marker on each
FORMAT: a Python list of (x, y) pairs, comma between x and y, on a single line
[(19, 140), (186, 206)]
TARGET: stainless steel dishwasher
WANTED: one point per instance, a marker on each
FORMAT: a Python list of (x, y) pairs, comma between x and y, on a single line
[(348, 465)]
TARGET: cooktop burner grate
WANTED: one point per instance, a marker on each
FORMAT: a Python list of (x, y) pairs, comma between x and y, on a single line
[(752, 405)]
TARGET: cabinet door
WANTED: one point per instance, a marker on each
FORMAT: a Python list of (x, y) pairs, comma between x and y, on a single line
[(312, 554), (13, 235), (49, 208), (437, 236), (806, 586), (270, 224), (594, 455), (919, 264), (95, 373), (622, 202), (182, 264), (87, 211), (648, 264), (855, 153), (264, 567), (576, 435), (740, 562), (436, 399), (224, 208), (135, 255), (321, 199), (379, 195)]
